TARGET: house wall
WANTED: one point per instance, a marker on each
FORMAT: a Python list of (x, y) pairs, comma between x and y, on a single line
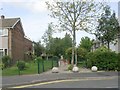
[(0, 42), (10, 42), (114, 47), (4, 42), (17, 43), (27, 49)]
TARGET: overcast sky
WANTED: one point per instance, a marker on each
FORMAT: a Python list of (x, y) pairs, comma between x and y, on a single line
[(34, 16)]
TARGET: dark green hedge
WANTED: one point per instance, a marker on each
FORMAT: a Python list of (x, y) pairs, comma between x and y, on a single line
[(103, 59), (118, 61)]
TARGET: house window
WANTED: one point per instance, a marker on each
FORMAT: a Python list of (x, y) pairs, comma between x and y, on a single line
[(5, 51), (1, 53), (0, 31), (3, 31)]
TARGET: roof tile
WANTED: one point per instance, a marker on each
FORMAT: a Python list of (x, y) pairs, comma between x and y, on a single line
[(5, 23)]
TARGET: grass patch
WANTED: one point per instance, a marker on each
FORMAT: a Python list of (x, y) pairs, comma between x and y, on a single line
[(31, 68)]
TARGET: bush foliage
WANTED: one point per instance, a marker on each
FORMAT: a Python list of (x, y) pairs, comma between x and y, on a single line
[(103, 58), (6, 61), (21, 65), (70, 67), (118, 61)]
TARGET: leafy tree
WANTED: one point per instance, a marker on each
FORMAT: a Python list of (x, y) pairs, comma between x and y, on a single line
[(58, 46), (108, 27), (66, 43), (47, 38), (38, 48), (74, 15), (86, 43), (68, 53), (81, 53)]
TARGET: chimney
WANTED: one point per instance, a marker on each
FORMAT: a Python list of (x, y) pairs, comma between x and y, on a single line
[(2, 17)]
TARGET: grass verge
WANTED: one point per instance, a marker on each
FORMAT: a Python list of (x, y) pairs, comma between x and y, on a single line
[(31, 68)]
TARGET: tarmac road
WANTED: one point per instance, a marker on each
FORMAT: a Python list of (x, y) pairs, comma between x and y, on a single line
[(64, 80)]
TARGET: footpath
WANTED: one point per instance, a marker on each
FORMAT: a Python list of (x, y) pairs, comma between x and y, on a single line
[(49, 76)]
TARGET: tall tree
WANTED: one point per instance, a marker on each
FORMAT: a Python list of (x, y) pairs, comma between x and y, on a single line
[(74, 15), (59, 46), (38, 48), (86, 43), (47, 38), (108, 27), (66, 43), (56, 48)]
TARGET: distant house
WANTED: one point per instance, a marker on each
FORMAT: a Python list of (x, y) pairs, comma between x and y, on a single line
[(113, 47), (12, 39)]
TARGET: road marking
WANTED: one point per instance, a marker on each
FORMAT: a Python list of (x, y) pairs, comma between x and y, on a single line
[(58, 81)]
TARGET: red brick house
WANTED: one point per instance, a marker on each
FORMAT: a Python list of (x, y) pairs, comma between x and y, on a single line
[(12, 39)]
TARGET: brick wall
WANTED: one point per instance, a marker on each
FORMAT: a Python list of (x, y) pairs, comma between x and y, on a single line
[(18, 46), (28, 49), (16, 42)]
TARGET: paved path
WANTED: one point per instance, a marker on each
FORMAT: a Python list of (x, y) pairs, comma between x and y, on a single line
[(63, 69)]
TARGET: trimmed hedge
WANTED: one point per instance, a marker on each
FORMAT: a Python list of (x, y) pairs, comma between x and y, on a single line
[(103, 59), (118, 61)]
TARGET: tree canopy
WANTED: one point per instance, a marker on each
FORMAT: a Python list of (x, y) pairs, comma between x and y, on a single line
[(38, 48), (86, 43), (108, 27), (74, 15)]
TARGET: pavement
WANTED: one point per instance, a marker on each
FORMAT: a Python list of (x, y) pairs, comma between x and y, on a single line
[(63, 74)]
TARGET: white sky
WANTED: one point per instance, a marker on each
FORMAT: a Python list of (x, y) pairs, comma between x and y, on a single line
[(35, 18)]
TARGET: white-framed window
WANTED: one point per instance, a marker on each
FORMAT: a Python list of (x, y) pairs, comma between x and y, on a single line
[(0, 31), (4, 32), (1, 53)]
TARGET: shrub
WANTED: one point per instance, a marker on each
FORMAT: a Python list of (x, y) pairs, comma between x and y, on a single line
[(6, 60), (38, 59), (118, 61), (90, 59), (1, 66), (102, 58), (81, 54), (55, 58), (68, 54), (21, 65), (102, 49), (70, 67)]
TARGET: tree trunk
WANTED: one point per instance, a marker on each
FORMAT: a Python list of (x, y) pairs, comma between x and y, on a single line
[(74, 52), (73, 47), (72, 61), (108, 45)]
